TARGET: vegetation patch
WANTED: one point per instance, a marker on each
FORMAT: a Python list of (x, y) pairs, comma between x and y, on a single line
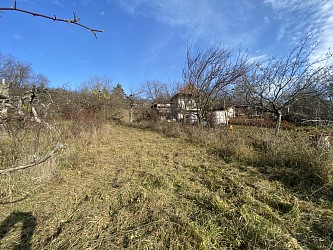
[(130, 188)]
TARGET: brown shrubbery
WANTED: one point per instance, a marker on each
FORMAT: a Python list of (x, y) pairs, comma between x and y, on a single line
[(265, 123)]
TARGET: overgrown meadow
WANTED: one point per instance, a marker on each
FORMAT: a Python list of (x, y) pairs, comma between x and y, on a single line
[(168, 186)]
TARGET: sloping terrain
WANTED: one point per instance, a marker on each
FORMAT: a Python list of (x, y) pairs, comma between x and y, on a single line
[(123, 187)]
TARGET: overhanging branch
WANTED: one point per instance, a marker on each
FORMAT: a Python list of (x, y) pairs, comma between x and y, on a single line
[(54, 18)]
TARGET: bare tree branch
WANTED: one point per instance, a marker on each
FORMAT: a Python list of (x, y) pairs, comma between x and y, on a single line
[(54, 18), (278, 82), (212, 71), (56, 148)]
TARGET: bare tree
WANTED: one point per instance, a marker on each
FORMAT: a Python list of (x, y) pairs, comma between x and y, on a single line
[(27, 114), (156, 91), (279, 82), (19, 75), (74, 21), (213, 71), (327, 97), (24, 106)]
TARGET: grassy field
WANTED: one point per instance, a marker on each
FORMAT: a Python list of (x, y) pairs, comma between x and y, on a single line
[(130, 188)]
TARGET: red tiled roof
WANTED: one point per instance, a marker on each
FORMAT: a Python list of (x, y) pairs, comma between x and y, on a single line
[(189, 88)]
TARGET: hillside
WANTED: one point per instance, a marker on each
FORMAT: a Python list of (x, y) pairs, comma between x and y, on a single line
[(124, 187)]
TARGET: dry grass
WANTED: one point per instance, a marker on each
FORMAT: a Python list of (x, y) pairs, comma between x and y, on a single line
[(121, 187)]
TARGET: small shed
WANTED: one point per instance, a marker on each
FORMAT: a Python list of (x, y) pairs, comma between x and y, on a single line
[(221, 117)]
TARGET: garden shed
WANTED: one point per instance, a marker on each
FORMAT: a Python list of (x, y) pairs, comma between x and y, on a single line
[(221, 116)]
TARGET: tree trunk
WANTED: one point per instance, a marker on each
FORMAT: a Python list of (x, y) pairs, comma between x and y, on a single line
[(278, 122)]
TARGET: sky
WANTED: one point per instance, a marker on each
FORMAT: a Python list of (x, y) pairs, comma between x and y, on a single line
[(147, 39)]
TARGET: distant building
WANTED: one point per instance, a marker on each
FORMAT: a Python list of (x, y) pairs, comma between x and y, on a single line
[(4, 96), (163, 110), (184, 106), (248, 111), (4, 89)]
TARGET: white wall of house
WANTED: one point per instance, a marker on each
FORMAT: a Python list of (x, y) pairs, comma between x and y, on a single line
[(187, 104), (231, 112), (184, 108)]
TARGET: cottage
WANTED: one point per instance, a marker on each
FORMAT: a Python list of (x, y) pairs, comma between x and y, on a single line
[(184, 106), (163, 110)]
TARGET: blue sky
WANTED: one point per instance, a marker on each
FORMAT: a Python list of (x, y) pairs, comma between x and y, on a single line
[(146, 39)]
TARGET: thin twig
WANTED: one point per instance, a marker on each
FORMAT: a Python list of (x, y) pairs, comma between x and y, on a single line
[(54, 18), (56, 148), (320, 187)]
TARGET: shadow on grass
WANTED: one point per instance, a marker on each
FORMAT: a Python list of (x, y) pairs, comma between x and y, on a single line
[(27, 230), (304, 184)]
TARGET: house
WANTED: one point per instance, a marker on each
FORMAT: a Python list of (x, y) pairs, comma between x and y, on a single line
[(248, 111), (184, 106), (163, 110)]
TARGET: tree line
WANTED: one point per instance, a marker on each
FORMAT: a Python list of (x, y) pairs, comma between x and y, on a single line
[(292, 86)]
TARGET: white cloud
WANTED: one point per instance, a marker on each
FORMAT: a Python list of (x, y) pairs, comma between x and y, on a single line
[(57, 3), (18, 37), (241, 21), (210, 19), (186, 13), (303, 17), (88, 2), (281, 33), (258, 58)]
